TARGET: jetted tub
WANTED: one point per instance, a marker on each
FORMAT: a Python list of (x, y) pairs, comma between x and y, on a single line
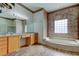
[(65, 44)]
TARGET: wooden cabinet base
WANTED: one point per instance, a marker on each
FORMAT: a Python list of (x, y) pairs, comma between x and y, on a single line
[(9, 44), (33, 39), (3, 46)]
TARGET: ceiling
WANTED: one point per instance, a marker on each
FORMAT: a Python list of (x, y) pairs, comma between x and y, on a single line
[(47, 6)]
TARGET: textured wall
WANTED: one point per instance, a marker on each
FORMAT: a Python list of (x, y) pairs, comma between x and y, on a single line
[(69, 13)]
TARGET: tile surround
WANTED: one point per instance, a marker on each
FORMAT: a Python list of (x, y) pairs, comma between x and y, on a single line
[(71, 14)]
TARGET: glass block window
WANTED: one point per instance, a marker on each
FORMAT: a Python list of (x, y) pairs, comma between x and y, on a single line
[(61, 26)]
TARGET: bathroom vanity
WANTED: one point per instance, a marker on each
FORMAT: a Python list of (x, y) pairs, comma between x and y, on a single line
[(11, 43)]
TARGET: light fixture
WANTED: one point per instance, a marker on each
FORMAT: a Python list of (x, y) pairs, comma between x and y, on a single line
[(6, 6)]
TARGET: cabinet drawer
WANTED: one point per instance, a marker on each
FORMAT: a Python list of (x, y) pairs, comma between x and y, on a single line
[(3, 39), (3, 44), (3, 47)]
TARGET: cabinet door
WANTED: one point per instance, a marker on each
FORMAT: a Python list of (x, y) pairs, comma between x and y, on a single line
[(13, 43), (3, 46), (34, 38), (28, 40)]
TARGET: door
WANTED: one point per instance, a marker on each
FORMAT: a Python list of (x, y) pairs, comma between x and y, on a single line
[(13, 43)]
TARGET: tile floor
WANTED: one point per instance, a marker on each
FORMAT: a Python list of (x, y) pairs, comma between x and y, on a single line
[(40, 50)]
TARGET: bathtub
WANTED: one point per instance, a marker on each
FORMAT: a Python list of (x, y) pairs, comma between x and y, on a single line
[(64, 44)]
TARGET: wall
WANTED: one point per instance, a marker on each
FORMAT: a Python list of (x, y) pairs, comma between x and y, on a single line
[(71, 14), (19, 26), (40, 24)]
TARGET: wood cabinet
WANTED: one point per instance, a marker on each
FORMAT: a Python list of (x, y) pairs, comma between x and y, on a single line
[(9, 44), (3, 46), (33, 39), (13, 43)]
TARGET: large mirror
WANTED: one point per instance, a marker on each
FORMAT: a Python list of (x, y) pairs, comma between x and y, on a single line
[(12, 21), (9, 24)]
